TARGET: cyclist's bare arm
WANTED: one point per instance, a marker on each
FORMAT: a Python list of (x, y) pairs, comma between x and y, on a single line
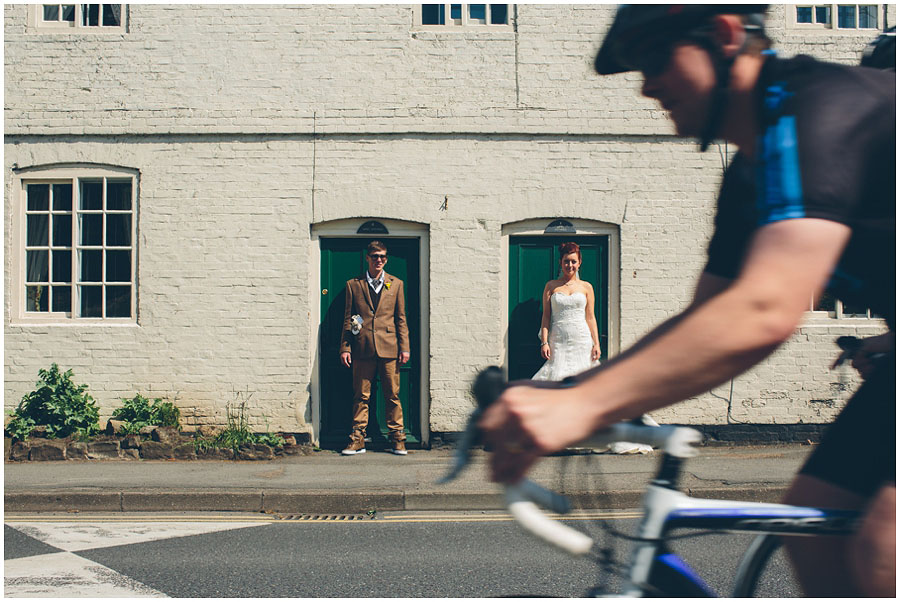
[(708, 285), (715, 339)]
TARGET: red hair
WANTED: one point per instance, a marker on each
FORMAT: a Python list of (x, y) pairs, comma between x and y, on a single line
[(569, 247)]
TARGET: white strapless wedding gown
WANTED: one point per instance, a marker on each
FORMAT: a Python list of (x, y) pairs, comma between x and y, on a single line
[(570, 338), (570, 352)]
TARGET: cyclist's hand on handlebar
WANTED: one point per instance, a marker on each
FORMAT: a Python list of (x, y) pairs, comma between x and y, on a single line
[(531, 419)]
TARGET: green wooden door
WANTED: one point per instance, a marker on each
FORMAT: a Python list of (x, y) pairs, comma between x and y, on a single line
[(533, 260), (343, 259)]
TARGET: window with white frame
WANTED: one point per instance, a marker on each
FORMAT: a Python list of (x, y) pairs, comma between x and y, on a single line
[(84, 17), (76, 250), (838, 16), (464, 16)]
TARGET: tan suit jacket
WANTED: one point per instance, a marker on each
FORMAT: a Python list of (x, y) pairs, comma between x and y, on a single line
[(384, 332)]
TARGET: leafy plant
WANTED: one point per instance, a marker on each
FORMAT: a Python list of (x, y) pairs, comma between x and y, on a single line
[(139, 412), (270, 439), (237, 433), (64, 407)]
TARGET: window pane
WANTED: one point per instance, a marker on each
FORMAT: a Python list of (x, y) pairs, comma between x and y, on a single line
[(499, 14), (90, 15), (847, 17), (804, 14), (112, 15), (118, 266), (37, 266), (51, 12), (62, 266), (477, 13), (868, 16), (91, 229), (35, 298), (91, 266), (38, 232), (91, 301), (62, 230), (62, 298), (854, 310), (823, 15), (456, 12), (118, 195), (118, 302), (826, 303), (91, 195), (432, 14), (38, 197), (118, 230), (62, 197), (68, 13)]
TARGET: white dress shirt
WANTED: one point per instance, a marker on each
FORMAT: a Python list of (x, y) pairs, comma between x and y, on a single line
[(375, 284)]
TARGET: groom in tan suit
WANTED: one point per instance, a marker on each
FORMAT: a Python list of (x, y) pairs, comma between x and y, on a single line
[(374, 339)]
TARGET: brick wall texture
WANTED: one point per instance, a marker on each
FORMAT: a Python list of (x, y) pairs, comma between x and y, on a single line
[(252, 126)]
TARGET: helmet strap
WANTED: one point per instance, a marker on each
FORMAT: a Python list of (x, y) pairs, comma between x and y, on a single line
[(719, 97)]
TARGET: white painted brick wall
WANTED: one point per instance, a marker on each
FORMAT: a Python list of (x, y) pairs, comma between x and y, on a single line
[(215, 105)]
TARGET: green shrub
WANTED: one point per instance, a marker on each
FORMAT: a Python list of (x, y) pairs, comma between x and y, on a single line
[(139, 412), (64, 407)]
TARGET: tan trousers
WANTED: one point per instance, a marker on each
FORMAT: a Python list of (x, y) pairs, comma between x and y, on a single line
[(364, 370)]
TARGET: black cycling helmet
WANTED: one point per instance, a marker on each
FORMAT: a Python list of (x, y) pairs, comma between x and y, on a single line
[(637, 25), (881, 53), (636, 22)]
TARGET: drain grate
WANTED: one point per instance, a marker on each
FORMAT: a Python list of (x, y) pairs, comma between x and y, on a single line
[(324, 517)]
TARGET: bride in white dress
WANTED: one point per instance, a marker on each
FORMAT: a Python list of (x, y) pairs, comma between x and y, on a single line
[(569, 340)]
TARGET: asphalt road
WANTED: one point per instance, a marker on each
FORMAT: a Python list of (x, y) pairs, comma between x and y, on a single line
[(472, 554)]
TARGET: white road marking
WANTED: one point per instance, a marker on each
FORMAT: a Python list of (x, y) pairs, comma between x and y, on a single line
[(65, 575), (76, 536)]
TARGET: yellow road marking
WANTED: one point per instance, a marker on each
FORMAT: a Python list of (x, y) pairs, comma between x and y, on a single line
[(316, 518)]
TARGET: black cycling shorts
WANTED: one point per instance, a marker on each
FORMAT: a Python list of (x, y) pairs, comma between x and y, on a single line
[(858, 451)]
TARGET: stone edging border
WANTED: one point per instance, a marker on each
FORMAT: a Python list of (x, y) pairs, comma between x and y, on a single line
[(165, 443)]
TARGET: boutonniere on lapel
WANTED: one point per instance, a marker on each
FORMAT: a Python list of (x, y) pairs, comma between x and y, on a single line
[(387, 285)]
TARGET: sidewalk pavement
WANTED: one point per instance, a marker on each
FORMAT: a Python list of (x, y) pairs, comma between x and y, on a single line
[(328, 483)]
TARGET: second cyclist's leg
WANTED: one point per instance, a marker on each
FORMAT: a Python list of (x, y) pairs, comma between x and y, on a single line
[(822, 564), (873, 552), (853, 469), (861, 565)]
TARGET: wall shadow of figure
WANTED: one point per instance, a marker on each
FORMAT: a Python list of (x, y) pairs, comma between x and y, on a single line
[(524, 346)]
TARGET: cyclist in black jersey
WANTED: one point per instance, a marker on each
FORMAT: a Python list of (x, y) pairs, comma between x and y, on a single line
[(808, 204)]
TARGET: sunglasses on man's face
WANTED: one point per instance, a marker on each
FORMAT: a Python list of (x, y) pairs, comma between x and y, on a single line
[(651, 58), (378, 257)]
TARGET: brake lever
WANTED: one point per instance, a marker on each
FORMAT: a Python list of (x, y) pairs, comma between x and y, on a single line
[(463, 452), (486, 388)]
